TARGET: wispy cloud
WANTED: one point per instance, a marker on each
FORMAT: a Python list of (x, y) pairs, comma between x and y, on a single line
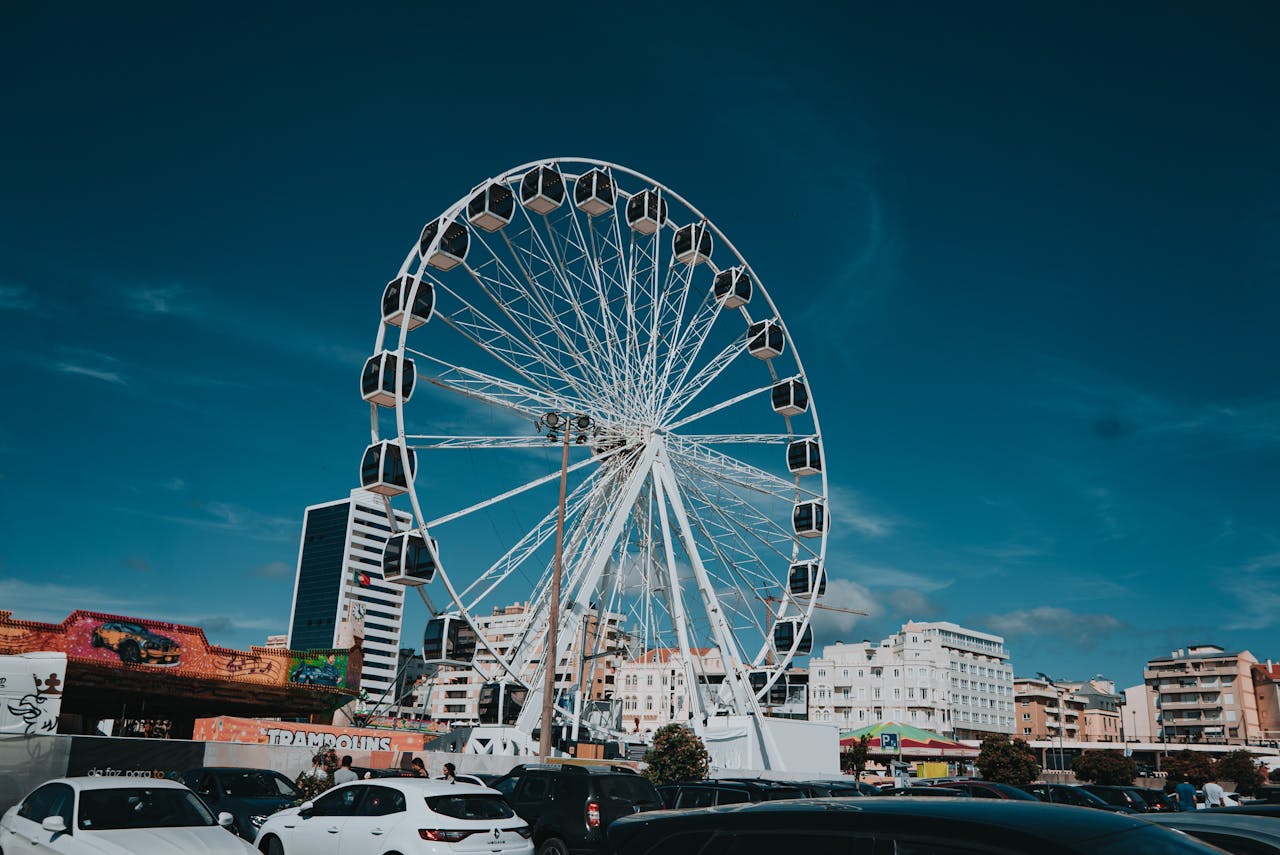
[(831, 625), (159, 301), (16, 298), (1116, 410), (273, 570), (1083, 630), (851, 509), (1255, 585), (49, 601), (879, 576), (95, 373), (229, 517), (137, 563)]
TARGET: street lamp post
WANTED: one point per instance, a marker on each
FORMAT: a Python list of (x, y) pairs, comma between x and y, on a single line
[(1062, 718), (557, 425)]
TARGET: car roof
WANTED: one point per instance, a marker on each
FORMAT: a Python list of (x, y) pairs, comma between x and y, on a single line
[(116, 782), (1049, 821), (1255, 827), (425, 786)]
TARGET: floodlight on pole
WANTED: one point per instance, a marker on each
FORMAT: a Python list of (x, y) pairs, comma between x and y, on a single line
[(557, 426)]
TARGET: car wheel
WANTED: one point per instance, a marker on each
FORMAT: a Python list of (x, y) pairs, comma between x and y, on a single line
[(271, 846), (553, 846), (129, 652)]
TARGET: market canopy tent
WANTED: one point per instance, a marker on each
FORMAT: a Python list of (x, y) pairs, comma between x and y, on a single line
[(910, 740)]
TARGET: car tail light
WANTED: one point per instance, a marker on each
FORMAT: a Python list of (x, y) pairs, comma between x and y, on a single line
[(442, 835), (593, 814), (524, 831)]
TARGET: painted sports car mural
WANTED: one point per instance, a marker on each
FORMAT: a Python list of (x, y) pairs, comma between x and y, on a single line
[(327, 670), (134, 643)]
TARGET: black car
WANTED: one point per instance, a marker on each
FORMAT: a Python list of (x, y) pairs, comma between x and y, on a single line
[(988, 790), (249, 795), (1069, 794), (569, 807), (896, 827), (927, 792), (695, 794), (1127, 797), (316, 675), (1158, 801)]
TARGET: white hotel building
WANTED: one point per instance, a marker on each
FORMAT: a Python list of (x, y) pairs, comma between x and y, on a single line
[(937, 676)]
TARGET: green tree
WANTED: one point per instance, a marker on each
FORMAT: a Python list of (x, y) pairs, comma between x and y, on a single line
[(1188, 765), (1007, 761), (1239, 766), (1105, 767), (677, 755), (855, 759)]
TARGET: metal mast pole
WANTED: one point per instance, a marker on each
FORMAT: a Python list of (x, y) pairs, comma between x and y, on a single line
[(553, 630)]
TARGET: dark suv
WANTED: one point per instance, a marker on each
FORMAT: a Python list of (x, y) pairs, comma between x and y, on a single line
[(249, 795), (569, 807), (727, 792)]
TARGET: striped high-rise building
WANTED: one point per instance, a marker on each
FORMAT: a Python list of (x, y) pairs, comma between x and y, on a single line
[(339, 590)]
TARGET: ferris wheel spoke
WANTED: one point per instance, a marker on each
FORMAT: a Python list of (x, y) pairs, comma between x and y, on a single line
[(508, 350), (731, 470), (714, 408), (529, 402), (502, 497), (692, 340), (680, 282), (682, 397), (706, 439), (423, 442)]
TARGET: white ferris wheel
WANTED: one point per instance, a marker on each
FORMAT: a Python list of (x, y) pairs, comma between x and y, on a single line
[(573, 299)]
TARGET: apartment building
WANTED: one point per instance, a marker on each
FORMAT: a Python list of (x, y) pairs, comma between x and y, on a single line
[(935, 675), (1266, 692), (1045, 711), (453, 694), (1203, 693), (652, 687)]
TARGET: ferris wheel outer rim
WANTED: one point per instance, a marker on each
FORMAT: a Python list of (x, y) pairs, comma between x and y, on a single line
[(456, 212)]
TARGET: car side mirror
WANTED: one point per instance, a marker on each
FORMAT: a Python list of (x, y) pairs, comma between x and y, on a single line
[(226, 820), (306, 809), (56, 824)]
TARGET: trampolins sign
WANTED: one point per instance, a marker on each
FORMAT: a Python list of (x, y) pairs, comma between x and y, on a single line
[(323, 739)]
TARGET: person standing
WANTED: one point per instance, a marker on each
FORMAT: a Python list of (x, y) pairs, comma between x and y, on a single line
[(1186, 796), (345, 773), (1213, 794)]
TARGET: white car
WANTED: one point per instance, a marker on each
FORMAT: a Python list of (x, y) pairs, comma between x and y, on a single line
[(398, 815), (115, 816)]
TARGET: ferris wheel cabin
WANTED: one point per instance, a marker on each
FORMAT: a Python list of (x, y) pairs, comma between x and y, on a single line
[(542, 190), (790, 397), (491, 207), (406, 560), (378, 380), (646, 212), (594, 193), (452, 248), (809, 519), (386, 468), (764, 339), (777, 695), (692, 243), (395, 302), (449, 640), (787, 632), (733, 287), (501, 702), (807, 579), (804, 457)]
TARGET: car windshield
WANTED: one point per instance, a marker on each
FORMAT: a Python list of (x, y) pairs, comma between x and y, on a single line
[(256, 784), (476, 806), (141, 807)]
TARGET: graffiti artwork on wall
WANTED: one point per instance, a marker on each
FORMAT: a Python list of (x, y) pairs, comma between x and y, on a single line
[(31, 692), (324, 669), (126, 642)]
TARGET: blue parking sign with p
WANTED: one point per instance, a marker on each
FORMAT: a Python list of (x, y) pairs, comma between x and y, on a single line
[(888, 742)]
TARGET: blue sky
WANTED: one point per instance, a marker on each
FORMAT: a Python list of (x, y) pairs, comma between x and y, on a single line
[(1030, 257)]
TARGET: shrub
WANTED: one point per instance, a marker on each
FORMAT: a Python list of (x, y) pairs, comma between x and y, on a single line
[(677, 755)]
